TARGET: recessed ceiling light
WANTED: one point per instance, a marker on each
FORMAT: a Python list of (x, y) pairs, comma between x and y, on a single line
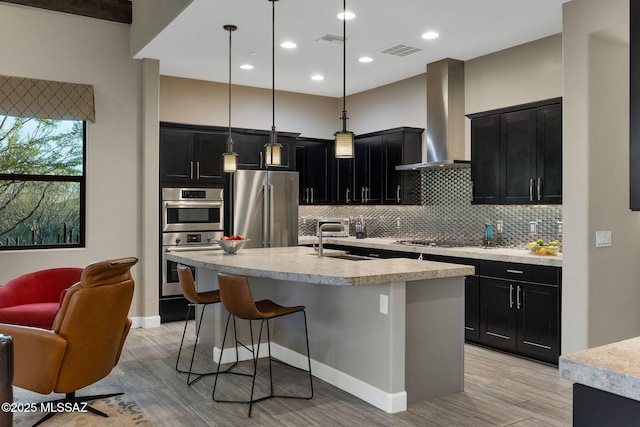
[(246, 67), (430, 35), (288, 45), (365, 59), (317, 77), (346, 15)]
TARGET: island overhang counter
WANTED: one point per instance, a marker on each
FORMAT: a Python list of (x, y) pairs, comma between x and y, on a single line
[(389, 331)]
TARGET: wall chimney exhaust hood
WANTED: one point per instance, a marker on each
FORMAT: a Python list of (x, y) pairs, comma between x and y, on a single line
[(445, 117)]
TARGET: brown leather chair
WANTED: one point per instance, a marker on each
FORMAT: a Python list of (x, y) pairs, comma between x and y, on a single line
[(236, 297), (188, 287), (87, 337)]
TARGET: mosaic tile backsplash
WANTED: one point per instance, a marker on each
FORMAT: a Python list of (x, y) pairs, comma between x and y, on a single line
[(445, 213)]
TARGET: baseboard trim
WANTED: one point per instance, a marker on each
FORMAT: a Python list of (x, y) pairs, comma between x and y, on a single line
[(145, 322), (388, 402)]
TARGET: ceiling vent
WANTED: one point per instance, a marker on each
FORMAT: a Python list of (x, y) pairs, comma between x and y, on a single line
[(401, 50), (331, 38)]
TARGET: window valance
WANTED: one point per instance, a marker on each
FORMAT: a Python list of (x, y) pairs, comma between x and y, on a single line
[(46, 99)]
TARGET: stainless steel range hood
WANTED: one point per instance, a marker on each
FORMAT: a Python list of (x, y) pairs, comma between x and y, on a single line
[(445, 116)]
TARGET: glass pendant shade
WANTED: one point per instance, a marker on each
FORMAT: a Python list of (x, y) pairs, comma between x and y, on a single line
[(230, 158), (344, 144)]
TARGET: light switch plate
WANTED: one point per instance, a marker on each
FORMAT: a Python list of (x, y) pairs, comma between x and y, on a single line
[(499, 226), (533, 227), (603, 239), (384, 304)]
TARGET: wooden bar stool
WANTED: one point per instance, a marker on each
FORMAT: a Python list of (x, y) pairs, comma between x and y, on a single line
[(236, 297), (194, 297)]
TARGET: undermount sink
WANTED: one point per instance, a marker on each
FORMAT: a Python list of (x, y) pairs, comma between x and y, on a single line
[(350, 257)]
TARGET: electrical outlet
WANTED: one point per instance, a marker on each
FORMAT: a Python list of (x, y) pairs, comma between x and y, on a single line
[(398, 222), (560, 227), (499, 226), (384, 304), (603, 239), (533, 227)]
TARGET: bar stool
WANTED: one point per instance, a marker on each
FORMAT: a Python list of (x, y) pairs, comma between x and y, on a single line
[(194, 297), (236, 297)]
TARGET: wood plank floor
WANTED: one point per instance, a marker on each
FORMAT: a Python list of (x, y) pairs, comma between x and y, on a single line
[(500, 390)]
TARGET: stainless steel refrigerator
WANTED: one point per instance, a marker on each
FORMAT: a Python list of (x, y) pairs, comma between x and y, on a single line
[(264, 207)]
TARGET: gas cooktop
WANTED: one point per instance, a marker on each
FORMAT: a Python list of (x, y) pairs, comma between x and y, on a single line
[(434, 243)]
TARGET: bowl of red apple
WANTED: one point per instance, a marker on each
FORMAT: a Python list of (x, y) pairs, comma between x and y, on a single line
[(232, 244)]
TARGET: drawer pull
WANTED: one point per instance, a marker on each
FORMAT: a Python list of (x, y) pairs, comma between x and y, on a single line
[(515, 271)]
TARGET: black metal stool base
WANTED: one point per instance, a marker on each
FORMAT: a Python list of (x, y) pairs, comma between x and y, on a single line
[(255, 357)]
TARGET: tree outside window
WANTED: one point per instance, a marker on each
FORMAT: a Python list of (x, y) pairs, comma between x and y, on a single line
[(42, 181)]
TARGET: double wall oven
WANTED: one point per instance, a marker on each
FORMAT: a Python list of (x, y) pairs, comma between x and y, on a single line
[(192, 219)]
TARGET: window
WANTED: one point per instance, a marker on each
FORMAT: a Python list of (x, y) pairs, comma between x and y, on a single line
[(42, 183)]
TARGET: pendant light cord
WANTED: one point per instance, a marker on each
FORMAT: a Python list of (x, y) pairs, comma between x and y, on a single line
[(273, 65), (344, 57), (230, 31)]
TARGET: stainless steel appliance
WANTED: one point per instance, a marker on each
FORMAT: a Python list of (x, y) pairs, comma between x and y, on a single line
[(341, 228), (192, 209), (192, 219), (264, 207)]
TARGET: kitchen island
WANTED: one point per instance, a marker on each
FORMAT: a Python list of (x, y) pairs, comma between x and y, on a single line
[(606, 389), (389, 331)]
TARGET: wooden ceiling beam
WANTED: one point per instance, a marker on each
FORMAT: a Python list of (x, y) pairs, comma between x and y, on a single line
[(110, 10)]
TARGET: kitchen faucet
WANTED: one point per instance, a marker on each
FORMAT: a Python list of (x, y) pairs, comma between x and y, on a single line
[(331, 225)]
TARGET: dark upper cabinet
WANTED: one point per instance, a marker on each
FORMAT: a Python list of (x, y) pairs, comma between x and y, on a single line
[(485, 159), (343, 181), (375, 178), (401, 148), (549, 154), (518, 157), (313, 162), (517, 154), (251, 152), (190, 157), (367, 170)]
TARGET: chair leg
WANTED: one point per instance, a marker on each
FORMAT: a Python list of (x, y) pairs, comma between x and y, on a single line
[(73, 399), (198, 375)]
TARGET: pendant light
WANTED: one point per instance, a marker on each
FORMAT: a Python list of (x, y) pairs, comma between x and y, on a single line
[(230, 157), (344, 138), (273, 148)]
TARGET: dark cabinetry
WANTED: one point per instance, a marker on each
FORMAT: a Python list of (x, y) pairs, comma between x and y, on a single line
[(520, 309), (190, 157), (372, 178), (191, 154), (251, 152), (313, 162), (517, 154)]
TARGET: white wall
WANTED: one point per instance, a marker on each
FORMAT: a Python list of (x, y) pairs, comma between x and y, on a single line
[(601, 292), (55, 46)]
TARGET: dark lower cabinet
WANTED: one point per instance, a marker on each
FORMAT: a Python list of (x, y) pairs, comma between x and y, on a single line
[(516, 313)]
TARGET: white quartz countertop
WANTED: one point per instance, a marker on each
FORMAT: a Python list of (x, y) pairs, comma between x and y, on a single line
[(614, 368), (474, 252), (301, 264)]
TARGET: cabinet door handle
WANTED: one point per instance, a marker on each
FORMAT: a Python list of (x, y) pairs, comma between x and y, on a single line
[(531, 190), (306, 197), (398, 194), (197, 170), (261, 162), (539, 188), (311, 194), (191, 170), (347, 195), (362, 194), (366, 192), (515, 271), (510, 296), (518, 304)]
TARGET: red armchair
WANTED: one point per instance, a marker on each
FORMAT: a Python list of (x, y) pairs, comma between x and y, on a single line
[(33, 299)]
